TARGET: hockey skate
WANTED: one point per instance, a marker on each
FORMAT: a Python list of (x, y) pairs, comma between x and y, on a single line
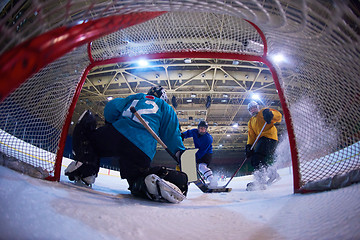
[(255, 186), (69, 171), (73, 173), (273, 176), (260, 181), (160, 189), (212, 182), (207, 176)]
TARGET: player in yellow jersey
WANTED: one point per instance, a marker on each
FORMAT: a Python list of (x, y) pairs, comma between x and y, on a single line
[(262, 153)]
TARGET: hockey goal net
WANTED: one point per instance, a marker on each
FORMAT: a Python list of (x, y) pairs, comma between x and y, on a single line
[(46, 55)]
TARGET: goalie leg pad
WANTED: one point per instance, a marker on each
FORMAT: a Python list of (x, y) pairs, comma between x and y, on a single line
[(87, 163), (159, 189), (82, 148), (170, 177), (180, 179)]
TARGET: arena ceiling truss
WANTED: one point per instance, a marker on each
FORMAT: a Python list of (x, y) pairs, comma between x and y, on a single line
[(214, 90)]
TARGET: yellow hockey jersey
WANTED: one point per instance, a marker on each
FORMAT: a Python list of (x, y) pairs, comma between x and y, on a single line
[(257, 122)]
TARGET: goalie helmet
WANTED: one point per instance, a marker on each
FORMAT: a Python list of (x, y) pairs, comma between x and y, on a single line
[(158, 92)]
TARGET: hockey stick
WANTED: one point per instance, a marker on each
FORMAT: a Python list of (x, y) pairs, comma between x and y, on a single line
[(142, 121), (246, 157), (199, 183)]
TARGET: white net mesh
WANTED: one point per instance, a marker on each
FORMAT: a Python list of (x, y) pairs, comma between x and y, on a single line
[(320, 78), (32, 117), (169, 33)]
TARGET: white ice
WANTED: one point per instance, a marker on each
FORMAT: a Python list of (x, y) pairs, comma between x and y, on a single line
[(38, 209)]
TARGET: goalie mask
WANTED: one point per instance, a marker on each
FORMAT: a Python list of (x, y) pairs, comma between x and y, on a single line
[(158, 92)]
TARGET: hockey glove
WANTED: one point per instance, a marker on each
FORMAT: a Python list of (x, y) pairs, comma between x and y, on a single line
[(248, 150), (268, 115)]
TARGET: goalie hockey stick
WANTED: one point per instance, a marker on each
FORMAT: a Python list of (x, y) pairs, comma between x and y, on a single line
[(142, 121), (199, 183)]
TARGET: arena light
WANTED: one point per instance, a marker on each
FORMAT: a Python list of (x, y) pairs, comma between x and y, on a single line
[(255, 96), (278, 58), (78, 22), (235, 125), (143, 63)]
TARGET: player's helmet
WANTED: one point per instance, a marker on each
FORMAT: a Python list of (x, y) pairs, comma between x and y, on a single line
[(251, 105), (203, 124), (158, 92)]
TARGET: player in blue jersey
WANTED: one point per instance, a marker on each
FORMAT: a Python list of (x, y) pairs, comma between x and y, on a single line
[(203, 141), (124, 137)]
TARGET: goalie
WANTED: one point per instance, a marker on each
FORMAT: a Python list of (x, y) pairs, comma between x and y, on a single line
[(124, 137)]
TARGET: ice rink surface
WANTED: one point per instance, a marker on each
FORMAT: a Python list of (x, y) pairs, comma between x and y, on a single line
[(38, 209)]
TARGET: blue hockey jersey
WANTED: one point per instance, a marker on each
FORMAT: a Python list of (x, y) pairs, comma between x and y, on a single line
[(202, 142), (156, 112)]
